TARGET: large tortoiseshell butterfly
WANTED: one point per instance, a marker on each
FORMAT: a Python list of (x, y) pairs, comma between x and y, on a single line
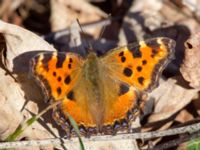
[(101, 93)]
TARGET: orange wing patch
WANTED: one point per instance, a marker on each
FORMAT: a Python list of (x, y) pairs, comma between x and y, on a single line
[(123, 110), (81, 115), (140, 65)]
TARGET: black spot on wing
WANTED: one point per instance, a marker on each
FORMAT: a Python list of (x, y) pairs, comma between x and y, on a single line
[(60, 60), (70, 95), (123, 59), (70, 60), (135, 50), (139, 68), (141, 80), (123, 89), (54, 74), (127, 72), (67, 80), (144, 62), (69, 66), (121, 53), (59, 79), (45, 60), (59, 91)]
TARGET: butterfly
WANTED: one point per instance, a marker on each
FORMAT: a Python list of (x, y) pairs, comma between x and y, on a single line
[(101, 93)]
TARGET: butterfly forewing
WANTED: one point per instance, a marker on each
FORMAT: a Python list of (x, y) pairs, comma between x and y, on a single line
[(140, 64), (56, 72)]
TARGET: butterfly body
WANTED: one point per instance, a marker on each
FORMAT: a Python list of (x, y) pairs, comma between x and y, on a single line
[(93, 89), (102, 94)]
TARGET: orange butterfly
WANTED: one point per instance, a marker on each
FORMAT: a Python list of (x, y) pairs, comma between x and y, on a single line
[(102, 94)]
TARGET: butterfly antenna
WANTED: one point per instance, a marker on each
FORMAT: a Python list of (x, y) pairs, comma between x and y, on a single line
[(104, 27), (89, 45)]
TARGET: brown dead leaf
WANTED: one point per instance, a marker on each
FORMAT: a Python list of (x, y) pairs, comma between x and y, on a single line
[(70, 11), (7, 11), (190, 68), (182, 15), (10, 105), (18, 42), (143, 18), (169, 99), (184, 116), (57, 10), (18, 99)]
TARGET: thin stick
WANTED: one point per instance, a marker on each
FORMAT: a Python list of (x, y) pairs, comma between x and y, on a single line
[(148, 135), (103, 28), (58, 34)]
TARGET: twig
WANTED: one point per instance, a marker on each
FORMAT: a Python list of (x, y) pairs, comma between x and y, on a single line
[(95, 24), (176, 141), (148, 135)]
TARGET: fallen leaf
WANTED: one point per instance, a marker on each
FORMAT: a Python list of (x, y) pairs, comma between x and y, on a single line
[(70, 11), (10, 105), (184, 116), (18, 94), (18, 42), (169, 99), (190, 68)]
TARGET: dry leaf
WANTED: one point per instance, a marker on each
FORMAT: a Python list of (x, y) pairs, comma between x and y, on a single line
[(19, 42), (169, 99), (184, 116), (17, 98), (142, 19), (190, 68), (10, 105), (70, 11)]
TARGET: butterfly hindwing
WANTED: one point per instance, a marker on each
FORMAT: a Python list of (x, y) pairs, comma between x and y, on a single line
[(140, 64)]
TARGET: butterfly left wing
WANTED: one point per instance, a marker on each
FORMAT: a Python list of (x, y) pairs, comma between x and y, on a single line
[(140, 64)]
